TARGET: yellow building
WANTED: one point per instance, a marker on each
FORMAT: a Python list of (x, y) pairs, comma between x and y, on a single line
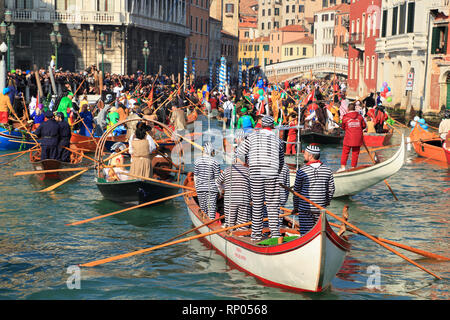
[(297, 49), (254, 52)]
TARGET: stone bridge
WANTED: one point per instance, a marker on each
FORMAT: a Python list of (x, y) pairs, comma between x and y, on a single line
[(320, 67)]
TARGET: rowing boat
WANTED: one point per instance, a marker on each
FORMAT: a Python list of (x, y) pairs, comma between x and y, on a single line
[(90, 143), (321, 138), (16, 135), (377, 139), (134, 191), (53, 164), (353, 181), (307, 263), (429, 145)]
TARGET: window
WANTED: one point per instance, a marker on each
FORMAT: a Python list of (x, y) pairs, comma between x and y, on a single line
[(287, 22), (287, 9), (246, 34), (304, 51), (384, 26), (229, 8), (369, 25), (301, 8), (374, 26), (196, 24), (201, 25), (332, 17), (268, 25), (269, 12), (372, 72), (367, 67), (411, 11), (394, 20), (291, 51), (356, 69), (402, 22), (24, 4), (23, 39), (276, 24), (102, 5), (263, 12), (439, 40), (262, 26), (350, 73), (108, 39), (276, 11)]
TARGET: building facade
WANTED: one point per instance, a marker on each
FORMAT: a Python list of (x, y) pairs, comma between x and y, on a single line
[(404, 51), (284, 35), (124, 25), (254, 52), (197, 44), (297, 49), (364, 21), (324, 29)]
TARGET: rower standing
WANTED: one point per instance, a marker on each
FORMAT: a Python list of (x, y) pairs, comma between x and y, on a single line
[(235, 182), (314, 181), (206, 172), (353, 124), (64, 138), (48, 132), (265, 153)]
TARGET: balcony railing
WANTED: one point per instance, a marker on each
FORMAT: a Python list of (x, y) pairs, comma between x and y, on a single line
[(356, 38)]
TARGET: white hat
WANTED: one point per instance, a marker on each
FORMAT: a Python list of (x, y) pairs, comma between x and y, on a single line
[(312, 149)]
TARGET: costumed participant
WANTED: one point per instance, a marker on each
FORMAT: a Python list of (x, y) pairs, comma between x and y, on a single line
[(206, 172), (64, 138), (235, 182), (353, 124), (444, 126), (141, 146), (265, 153), (116, 162), (37, 117), (370, 124), (48, 132), (178, 119), (88, 120), (5, 106), (246, 121), (112, 118), (292, 135), (314, 181), (379, 116), (228, 108), (65, 105)]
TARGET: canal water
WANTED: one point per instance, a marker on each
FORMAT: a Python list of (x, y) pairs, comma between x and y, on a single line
[(37, 248)]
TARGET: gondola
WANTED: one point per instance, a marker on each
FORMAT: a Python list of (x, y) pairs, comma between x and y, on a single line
[(429, 145), (353, 181), (306, 263), (52, 164)]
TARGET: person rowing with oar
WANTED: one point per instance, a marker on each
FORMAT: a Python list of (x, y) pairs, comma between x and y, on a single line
[(316, 182), (206, 172)]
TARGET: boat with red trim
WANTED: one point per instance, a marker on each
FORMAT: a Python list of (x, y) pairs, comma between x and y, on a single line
[(378, 139), (301, 263), (429, 145)]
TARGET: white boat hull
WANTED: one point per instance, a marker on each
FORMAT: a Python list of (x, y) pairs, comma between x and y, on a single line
[(310, 267), (352, 182)]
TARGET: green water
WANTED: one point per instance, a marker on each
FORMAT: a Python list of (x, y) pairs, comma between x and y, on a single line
[(36, 247)]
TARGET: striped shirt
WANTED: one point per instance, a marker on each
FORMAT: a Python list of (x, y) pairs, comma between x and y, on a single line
[(265, 152), (206, 171), (314, 181), (236, 182), (284, 180)]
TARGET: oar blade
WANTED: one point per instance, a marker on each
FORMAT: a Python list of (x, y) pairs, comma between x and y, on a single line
[(56, 185)]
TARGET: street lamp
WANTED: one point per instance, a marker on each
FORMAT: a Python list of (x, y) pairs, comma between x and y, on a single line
[(3, 50), (146, 53), (56, 40), (8, 29), (101, 48)]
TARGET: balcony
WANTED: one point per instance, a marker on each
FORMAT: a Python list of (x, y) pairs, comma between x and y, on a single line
[(356, 40)]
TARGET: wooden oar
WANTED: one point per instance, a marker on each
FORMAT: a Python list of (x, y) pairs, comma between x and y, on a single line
[(13, 159), (26, 173), (399, 245), (359, 230), (56, 185), (167, 244), (159, 181), (25, 142), (128, 209), (15, 153), (195, 229), (114, 155), (81, 154), (385, 181)]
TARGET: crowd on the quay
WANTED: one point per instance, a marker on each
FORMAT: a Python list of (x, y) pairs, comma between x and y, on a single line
[(53, 105)]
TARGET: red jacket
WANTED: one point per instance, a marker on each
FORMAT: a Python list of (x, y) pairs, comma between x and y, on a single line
[(353, 124)]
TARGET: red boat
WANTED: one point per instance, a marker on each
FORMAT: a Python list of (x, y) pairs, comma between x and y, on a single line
[(90, 143), (377, 139), (429, 145)]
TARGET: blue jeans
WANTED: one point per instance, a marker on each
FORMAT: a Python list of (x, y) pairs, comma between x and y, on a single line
[(227, 114)]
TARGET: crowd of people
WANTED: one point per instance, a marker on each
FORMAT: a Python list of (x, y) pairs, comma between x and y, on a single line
[(252, 184)]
